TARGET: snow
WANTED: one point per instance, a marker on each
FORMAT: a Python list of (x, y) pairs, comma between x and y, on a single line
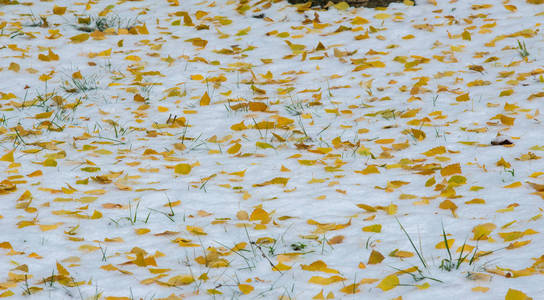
[(115, 212)]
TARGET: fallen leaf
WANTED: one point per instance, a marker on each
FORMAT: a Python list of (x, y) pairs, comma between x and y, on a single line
[(388, 283), (375, 258)]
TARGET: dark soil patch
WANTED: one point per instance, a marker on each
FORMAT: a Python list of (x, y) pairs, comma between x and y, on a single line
[(355, 3)]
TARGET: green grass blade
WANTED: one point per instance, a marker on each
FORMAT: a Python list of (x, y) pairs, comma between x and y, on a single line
[(413, 245)]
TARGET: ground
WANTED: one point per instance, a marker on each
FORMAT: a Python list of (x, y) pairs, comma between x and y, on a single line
[(257, 149)]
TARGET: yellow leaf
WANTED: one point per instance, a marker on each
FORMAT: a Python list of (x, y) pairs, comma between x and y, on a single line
[(195, 230), (375, 258), (370, 169), (359, 21), (503, 163), (418, 134), (183, 169), (140, 231), (324, 280), (482, 289), (319, 296), (77, 75), (180, 280), (476, 201), (482, 231), (320, 266), (506, 93), (278, 180), (442, 245), (80, 38), (515, 294), (133, 58), (508, 121), (138, 98), (242, 215), (263, 145), (382, 16), (62, 271), (447, 204), (373, 228), (96, 215), (142, 29), (388, 283), (162, 108), (515, 245), (466, 35), (510, 236), (457, 180), (400, 253), (7, 293), (351, 288), (294, 48), (205, 100), (435, 151), (43, 115), (88, 248), (366, 207), (281, 267), (514, 185), (14, 67), (260, 214), (49, 57), (462, 98), (58, 10), (213, 292), (341, 5), (8, 156), (234, 148), (511, 8), (187, 21), (424, 286), (50, 162), (90, 169), (430, 182), (243, 31), (49, 227), (384, 141), (257, 106), (245, 288), (451, 169)]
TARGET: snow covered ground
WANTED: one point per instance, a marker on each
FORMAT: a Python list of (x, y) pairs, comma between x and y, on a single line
[(254, 149)]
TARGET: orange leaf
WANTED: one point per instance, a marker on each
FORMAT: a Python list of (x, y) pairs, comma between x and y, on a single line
[(514, 185), (451, 169), (234, 148), (462, 98), (257, 106), (375, 258), (205, 100), (515, 294), (482, 231), (43, 115), (58, 10), (8, 156), (442, 245), (324, 280), (260, 214)]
